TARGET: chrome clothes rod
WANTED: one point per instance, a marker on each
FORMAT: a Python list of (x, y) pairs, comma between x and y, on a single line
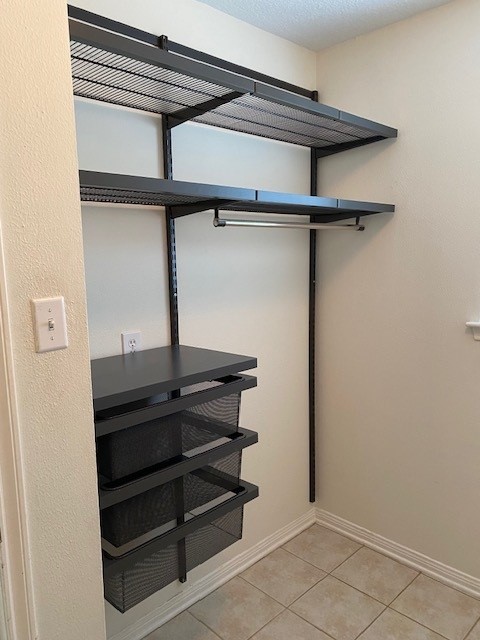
[(229, 222)]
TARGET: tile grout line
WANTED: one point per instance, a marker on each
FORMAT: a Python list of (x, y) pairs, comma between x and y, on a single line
[(201, 622), (305, 592), (286, 606), (346, 559), (347, 584), (299, 615), (407, 616), (470, 630), (467, 595), (419, 623), (369, 625), (314, 565), (266, 624), (404, 564), (258, 630), (403, 590)]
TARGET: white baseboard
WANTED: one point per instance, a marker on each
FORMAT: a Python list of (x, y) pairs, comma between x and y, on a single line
[(433, 568), (198, 590)]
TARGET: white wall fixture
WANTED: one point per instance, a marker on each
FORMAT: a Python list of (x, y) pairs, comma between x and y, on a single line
[(131, 341), (50, 324), (475, 326)]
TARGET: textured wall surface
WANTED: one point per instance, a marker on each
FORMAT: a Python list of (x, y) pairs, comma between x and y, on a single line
[(399, 437), (42, 243), (240, 290)]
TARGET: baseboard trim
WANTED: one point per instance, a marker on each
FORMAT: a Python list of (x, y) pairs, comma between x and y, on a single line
[(195, 592), (433, 568)]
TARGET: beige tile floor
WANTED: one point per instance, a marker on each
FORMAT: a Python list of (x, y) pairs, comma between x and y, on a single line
[(323, 586)]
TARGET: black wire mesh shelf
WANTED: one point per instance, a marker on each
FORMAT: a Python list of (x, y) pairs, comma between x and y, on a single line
[(134, 71), (186, 198)]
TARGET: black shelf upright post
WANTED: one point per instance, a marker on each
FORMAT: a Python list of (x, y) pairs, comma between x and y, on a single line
[(174, 332), (311, 325), (173, 309)]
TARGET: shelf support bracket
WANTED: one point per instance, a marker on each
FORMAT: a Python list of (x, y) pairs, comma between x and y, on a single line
[(180, 210), (189, 113), (323, 152)]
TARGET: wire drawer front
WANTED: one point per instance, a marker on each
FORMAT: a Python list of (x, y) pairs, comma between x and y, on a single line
[(127, 588), (150, 443), (128, 520)]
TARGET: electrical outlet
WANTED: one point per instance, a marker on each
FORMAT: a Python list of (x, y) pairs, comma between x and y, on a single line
[(131, 341)]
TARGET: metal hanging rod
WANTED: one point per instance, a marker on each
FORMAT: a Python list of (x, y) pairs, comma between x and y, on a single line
[(228, 222)]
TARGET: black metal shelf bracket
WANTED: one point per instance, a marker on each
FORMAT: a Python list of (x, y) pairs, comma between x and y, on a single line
[(180, 210), (190, 113)]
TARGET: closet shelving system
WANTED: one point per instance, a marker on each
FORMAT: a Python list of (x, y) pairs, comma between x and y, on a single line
[(121, 65)]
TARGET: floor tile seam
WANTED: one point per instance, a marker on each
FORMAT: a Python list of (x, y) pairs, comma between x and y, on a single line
[(422, 624), (359, 590), (305, 593), (444, 584), (385, 607), (297, 557), (369, 625), (299, 615), (255, 587), (267, 623), (273, 597), (419, 572), (314, 565), (346, 560), (404, 589), (204, 623), (472, 628)]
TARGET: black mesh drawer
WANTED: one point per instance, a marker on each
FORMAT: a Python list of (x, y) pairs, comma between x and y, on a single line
[(127, 521), (129, 587), (167, 437)]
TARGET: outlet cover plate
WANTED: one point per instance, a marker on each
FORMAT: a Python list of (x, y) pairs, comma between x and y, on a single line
[(129, 337)]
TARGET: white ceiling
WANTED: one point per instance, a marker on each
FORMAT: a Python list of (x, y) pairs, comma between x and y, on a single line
[(317, 24)]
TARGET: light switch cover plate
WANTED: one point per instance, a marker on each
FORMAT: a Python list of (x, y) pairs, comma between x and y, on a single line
[(50, 324)]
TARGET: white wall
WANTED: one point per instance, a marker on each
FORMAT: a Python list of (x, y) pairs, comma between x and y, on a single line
[(244, 290), (398, 397), (42, 250)]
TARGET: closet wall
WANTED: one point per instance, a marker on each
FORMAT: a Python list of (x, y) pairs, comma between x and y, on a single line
[(240, 290), (399, 402)]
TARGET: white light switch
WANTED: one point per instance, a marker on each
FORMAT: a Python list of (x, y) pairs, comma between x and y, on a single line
[(50, 324)]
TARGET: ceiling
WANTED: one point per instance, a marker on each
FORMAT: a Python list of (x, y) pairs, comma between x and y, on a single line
[(316, 24)]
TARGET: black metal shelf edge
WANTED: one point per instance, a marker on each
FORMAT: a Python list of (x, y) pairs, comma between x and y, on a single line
[(239, 440), (186, 198), (118, 380), (245, 493), (148, 410), (134, 72)]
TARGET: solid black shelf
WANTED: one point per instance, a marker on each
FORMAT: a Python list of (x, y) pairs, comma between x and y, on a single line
[(118, 380), (157, 406), (134, 71), (185, 198)]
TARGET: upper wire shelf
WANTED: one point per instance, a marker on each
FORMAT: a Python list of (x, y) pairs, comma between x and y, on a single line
[(120, 65)]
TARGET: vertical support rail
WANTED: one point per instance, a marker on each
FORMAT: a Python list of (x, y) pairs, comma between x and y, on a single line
[(174, 332), (171, 244), (311, 328)]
